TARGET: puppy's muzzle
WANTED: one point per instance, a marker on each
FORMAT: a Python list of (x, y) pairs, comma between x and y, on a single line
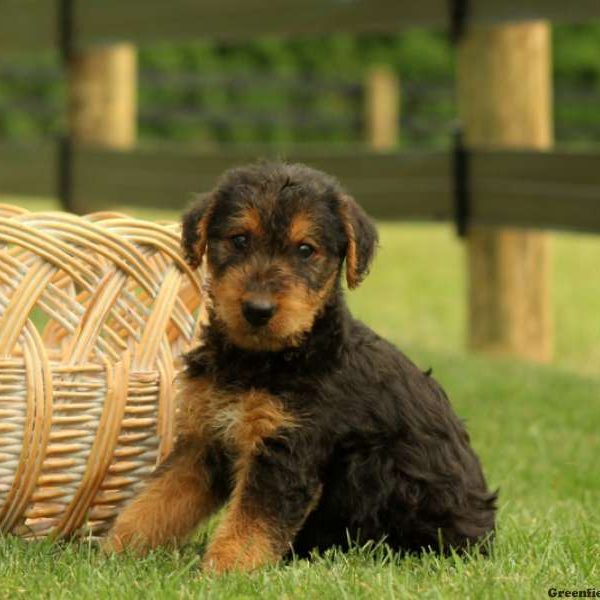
[(258, 312)]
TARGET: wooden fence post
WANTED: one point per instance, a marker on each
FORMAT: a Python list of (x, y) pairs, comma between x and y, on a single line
[(505, 101), (103, 96), (382, 108)]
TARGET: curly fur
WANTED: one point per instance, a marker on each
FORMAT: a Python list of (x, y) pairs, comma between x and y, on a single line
[(350, 441)]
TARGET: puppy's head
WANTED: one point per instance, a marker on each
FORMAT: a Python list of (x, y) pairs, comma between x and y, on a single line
[(275, 238)]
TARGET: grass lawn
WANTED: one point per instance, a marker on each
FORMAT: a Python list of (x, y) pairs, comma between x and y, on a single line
[(537, 430)]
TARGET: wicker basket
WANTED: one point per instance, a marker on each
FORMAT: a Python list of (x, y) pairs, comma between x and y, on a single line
[(94, 312)]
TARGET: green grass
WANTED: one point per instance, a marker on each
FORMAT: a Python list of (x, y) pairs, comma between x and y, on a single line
[(536, 428), (537, 432)]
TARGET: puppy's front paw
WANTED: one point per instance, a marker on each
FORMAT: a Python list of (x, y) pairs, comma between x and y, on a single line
[(223, 557), (234, 553), (213, 563), (125, 539)]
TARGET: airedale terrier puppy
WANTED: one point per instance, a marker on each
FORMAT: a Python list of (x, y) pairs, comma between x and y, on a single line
[(313, 430)]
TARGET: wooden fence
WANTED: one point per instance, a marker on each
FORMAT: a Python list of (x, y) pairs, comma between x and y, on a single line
[(543, 190), (33, 24), (507, 176)]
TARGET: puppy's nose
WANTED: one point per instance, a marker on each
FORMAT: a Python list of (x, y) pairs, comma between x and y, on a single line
[(258, 312)]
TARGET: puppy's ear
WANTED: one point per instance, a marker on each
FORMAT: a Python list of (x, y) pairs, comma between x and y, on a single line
[(362, 239), (194, 230)]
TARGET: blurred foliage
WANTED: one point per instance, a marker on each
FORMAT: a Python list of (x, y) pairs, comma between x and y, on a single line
[(301, 90)]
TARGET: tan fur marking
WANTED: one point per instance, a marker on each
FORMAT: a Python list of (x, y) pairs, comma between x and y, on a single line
[(302, 229), (202, 231), (166, 512), (241, 420), (242, 543), (297, 308), (227, 292), (352, 277), (247, 221)]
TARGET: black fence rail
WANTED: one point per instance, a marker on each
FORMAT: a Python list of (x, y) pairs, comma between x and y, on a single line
[(528, 189), (34, 24)]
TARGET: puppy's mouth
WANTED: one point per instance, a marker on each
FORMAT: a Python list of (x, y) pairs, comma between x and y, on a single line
[(259, 334), (260, 338), (262, 321)]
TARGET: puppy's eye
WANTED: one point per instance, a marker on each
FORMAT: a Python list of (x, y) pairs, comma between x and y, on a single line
[(240, 242), (305, 250)]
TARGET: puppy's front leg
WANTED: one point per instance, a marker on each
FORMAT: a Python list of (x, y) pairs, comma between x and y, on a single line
[(274, 494), (170, 507)]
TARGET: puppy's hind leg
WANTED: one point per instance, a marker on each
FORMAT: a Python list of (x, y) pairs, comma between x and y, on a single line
[(175, 500)]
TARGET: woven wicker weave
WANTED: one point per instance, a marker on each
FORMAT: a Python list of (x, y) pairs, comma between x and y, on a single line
[(93, 313)]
